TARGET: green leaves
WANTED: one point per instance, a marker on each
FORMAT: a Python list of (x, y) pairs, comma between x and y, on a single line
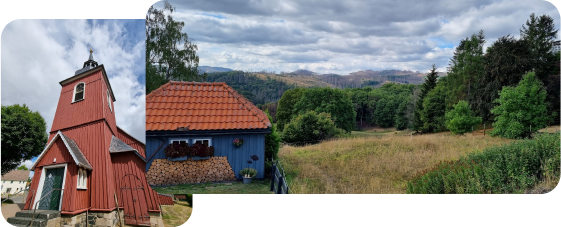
[(309, 127), (169, 52), (461, 119), (520, 108), (23, 135)]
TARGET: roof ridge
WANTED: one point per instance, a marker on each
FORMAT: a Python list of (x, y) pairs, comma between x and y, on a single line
[(244, 101)]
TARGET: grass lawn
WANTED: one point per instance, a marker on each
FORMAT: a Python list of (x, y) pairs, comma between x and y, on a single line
[(255, 187), (373, 161), (177, 214)]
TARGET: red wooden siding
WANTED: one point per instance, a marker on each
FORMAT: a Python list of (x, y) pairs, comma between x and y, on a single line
[(129, 163), (59, 151), (73, 198), (165, 200), (33, 187), (70, 114), (107, 113), (92, 139), (131, 142)]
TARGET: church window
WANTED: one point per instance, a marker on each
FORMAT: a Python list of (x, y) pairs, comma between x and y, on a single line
[(79, 92)]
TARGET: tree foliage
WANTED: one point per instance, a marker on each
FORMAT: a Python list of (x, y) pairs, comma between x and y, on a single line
[(465, 67), (434, 109), (520, 108), (309, 127), (169, 52), (461, 119), (22, 167), (23, 135), (505, 62), (285, 109), (540, 33), (426, 87), (333, 101), (272, 141)]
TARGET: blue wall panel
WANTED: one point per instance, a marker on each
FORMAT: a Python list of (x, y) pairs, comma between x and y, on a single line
[(254, 144)]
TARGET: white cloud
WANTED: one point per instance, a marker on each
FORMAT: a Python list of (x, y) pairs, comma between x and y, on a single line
[(342, 37)]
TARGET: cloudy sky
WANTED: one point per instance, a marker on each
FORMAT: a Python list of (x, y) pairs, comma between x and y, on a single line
[(333, 36), (37, 54)]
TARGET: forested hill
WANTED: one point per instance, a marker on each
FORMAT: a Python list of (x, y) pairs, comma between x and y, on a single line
[(265, 87), (258, 90)]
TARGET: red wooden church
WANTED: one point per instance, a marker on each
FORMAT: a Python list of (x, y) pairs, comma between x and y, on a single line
[(89, 159)]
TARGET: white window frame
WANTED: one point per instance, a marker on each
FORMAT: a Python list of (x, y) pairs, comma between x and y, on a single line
[(172, 140), (74, 93), (109, 101), (42, 181), (82, 182), (198, 139)]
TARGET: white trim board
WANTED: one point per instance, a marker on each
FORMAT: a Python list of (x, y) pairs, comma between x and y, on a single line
[(42, 181)]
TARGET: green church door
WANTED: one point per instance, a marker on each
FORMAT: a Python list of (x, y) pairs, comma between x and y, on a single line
[(53, 180)]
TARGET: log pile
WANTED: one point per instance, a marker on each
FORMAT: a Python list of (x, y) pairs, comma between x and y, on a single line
[(164, 172)]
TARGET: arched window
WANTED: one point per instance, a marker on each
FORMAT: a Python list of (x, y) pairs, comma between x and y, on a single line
[(82, 178), (79, 92), (109, 101)]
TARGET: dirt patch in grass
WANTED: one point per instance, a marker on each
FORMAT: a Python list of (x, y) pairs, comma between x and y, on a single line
[(177, 214)]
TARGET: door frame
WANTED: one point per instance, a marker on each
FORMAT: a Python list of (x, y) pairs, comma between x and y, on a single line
[(42, 181)]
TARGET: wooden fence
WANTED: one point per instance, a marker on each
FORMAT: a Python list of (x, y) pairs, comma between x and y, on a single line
[(278, 179)]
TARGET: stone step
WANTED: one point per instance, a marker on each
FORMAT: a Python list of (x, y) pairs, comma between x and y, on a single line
[(19, 225), (42, 214), (27, 221)]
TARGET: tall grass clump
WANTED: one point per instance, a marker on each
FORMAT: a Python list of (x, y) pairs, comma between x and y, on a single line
[(508, 168)]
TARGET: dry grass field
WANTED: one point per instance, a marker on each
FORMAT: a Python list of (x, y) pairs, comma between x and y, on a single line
[(177, 214), (380, 163)]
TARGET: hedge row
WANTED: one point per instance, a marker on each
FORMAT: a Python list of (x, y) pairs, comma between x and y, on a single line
[(509, 168)]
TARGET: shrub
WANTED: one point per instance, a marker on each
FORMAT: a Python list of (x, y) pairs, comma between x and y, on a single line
[(309, 127), (272, 144), (460, 119), (190, 199), (503, 169)]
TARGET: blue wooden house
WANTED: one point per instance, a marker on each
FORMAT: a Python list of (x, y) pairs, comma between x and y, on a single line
[(212, 114)]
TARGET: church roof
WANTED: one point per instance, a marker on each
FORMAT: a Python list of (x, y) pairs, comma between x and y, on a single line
[(118, 146)]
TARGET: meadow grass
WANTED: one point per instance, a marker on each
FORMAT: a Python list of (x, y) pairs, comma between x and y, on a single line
[(177, 214), (255, 187), (381, 162)]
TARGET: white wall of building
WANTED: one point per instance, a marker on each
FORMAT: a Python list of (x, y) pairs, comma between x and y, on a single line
[(13, 186)]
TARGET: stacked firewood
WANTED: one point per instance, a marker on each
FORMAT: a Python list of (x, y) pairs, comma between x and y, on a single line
[(164, 172)]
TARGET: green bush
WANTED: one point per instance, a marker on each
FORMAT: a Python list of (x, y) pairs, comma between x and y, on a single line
[(509, 168), (460, 119), (309, 127), (272, 144), (190, 199)]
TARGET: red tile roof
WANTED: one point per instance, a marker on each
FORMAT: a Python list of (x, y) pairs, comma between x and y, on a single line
[(201, 106)]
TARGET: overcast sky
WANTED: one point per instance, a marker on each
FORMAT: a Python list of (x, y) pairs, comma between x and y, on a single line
[(334, 36), (38, 54)]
